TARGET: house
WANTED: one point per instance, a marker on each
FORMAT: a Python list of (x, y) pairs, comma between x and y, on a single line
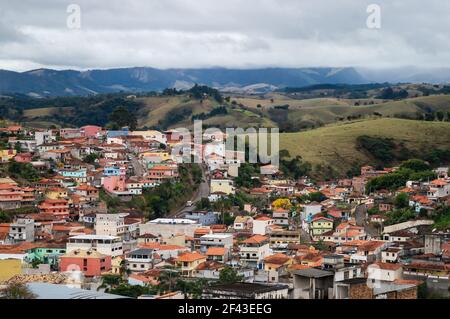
[(90, 262), (223, 186), (320, 225), (111, 224), (243, 223), (391, 255), (7, 155), (310, 210), (216, 240), (277, 263), (22, 229), (89, 193), (107, 245), (205, 218), (188, 263), (141, 259), (439, 188), (243, 290), (168, 227), (262, 225), (379, 271), (281, 216), (46, 253), (56, 207), (219, 254), (253, 250), (312, 283)]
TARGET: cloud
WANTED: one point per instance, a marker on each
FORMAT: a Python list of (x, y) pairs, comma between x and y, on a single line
[(232, 33)]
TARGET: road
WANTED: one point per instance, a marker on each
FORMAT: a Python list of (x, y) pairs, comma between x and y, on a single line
[(202, 191)]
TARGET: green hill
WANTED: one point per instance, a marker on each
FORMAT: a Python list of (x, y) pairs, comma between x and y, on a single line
[(334, 148)]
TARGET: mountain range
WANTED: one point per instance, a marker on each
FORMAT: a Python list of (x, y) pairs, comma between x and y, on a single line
[(47, 82)]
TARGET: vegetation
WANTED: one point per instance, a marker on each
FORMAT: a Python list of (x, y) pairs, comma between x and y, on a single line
[(399, 178), (336, 145), (229, 275), (16, 291), (23, 171)]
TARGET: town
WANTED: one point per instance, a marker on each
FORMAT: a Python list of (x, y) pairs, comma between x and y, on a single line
[(109, 214)]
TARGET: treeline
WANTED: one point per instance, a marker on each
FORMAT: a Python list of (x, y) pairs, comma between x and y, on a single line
[(197, 92), (221, 110), (414, 169), (74, 111), (386, 151)]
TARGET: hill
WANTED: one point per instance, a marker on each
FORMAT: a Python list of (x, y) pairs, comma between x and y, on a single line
[(334, 148)]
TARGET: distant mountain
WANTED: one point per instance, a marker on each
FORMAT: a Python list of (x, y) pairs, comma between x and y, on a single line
[(46, 82)]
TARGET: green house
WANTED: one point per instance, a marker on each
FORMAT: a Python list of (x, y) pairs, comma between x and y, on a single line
[(46, 254)]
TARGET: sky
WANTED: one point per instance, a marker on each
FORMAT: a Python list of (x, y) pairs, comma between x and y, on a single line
[(223, 33)]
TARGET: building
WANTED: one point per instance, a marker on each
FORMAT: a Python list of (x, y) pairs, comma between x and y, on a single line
[(281, 217), (205, 218), (110, 224), (320, 225), (56, 207), (107, 245), (90, 262), (216, 241), (243, 223), (140, 260), (224, 186), (242, 290), (22, 229), (253, 250), (261, 225), (188, 263), (169, 227), (312, 283)]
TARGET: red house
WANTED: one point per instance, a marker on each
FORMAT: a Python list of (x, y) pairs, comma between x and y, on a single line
[(90, 262)]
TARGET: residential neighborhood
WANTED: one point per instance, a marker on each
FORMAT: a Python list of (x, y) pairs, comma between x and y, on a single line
[(119, 212)]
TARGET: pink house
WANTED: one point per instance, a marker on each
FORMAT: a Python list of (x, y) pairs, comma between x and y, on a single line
[(114, 183), (90, 130), (23, 157)]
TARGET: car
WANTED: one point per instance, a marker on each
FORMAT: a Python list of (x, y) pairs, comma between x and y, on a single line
[(189, 203)]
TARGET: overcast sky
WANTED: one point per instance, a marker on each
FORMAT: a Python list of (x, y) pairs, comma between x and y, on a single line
[(226, 33)]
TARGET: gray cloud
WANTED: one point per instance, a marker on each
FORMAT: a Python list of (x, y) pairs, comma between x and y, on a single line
[(232, 33)]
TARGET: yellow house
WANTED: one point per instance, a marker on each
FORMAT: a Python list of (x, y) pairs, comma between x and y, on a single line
[(56, 193), (7, 155), (222, 186), (277, 262), (320, 225), (9, 268), (116, 265), (188, 263), (157, 157)]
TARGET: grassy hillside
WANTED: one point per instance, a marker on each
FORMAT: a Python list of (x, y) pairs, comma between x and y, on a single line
[(334, 147), (311, 113)]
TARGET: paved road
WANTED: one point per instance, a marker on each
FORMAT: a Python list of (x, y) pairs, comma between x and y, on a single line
[(203, 191), (139, 169)]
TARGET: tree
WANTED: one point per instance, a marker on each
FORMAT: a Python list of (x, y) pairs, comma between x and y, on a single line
[(168, 279), (284, 203), (229, 275), (402, 200), (17, 291), (440, 115), (416, 165), (122, 117)]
